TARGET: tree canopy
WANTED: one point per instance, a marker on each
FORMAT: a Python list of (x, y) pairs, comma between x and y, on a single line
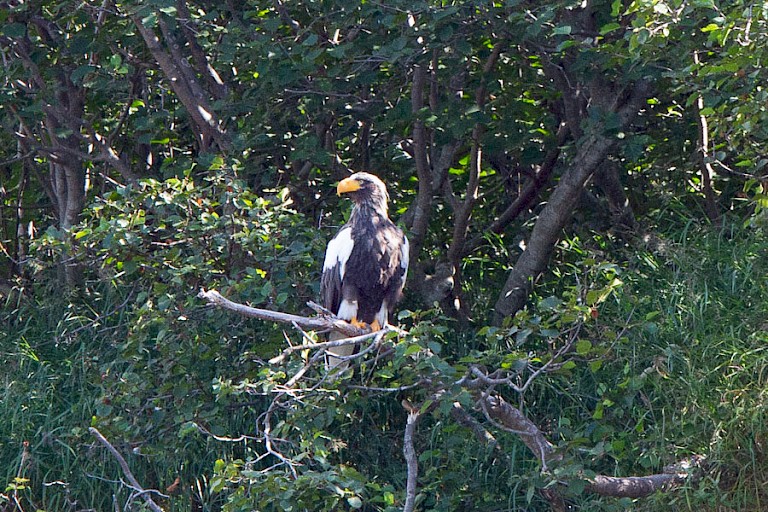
[(583, 186)]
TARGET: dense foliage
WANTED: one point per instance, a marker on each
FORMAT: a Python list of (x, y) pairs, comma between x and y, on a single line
[(583, 185)]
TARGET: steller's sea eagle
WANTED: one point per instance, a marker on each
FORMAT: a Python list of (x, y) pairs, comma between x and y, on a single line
[(365, 263)]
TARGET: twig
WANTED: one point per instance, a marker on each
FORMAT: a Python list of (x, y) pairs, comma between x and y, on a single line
[(19, 473), (398, 389), (316, 357), (325, 344), (224, 439), (127, 471), (268, 440), (491, 379)]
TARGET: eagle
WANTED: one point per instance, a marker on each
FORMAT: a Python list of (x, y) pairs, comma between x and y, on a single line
[(366, 263)]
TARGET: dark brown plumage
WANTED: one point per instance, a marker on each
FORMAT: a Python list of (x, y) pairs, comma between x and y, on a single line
[(366, 262)]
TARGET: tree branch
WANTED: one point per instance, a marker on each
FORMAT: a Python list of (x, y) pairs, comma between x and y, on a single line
[(423, 203), (197, 107), (703, 157), (127, 471), (203, 67), (321, 322), (635, 486), (497, 410), (530, 190), (618, 487), (411, 458)]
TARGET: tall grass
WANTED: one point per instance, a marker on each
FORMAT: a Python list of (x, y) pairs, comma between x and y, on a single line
[(712, 293)]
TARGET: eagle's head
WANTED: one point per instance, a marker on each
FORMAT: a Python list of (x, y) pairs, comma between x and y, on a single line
[(365, 189)]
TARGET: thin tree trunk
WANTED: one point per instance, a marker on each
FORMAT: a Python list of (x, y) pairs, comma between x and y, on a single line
[(188, 90), (592, 150), (705, 167)]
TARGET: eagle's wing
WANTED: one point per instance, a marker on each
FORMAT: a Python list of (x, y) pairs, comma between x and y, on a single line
[(336, 257), (404, 257), (331, 288)]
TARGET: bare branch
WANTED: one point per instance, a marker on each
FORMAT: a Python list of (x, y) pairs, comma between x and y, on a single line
[(324, 323), (620, 487), (411, 458), (513, 419), (268, 445), (398, 389), (635, 486), (464, 419), (203, 67), (530, 190), (127, 471), (703, 157)]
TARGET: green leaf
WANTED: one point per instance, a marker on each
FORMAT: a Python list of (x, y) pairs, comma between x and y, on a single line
[(616, 8), (80, 73), (583, 347), (216, 163), (412, 349), (115, 60), (150, 21), (82, 233), (608, 28)]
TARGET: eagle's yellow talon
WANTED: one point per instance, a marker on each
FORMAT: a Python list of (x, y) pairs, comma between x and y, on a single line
[(373, 326)]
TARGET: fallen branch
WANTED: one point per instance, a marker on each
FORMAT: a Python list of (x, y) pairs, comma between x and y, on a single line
[(144, 493), (634, 486)]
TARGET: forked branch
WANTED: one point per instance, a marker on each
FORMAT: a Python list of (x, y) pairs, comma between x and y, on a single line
[(144, 493)]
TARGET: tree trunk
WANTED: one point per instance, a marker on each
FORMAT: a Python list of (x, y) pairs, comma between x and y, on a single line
[(593, 148)]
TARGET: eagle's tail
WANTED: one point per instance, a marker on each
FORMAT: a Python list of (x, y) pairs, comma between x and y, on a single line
[(338, 364)]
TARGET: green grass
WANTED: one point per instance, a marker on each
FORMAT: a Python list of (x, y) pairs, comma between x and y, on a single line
[(712, 294)]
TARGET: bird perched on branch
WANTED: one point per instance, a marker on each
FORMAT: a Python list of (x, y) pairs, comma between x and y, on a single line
[(365, 263)]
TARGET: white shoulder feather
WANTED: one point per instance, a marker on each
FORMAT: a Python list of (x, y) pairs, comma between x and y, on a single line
[(338, 251)]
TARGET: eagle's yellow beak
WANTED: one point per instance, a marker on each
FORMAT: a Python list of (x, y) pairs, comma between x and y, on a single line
[(347, 185)]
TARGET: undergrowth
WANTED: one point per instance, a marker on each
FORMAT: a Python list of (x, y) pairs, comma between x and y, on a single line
[(682, 371)]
